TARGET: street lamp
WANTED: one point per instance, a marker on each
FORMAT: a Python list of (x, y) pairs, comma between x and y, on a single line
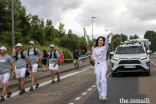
[(92, 29), (105, 32), (12, 14)]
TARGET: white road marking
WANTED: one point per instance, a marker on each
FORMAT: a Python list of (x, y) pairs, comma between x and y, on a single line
[(89, 89), (78, 98), (93, 85), (48, 82), (84, 93), (153, 63), (71, 103)]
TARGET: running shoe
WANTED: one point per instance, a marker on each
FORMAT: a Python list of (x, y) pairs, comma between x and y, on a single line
[(37, 85), (104, 98), (21, 92), (100, 97), (31, 88), (2, 99), (53, 81), (8, 94), (58, 79)]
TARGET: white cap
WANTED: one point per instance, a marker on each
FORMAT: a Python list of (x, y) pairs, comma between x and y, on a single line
[(3, 48), (18, 44), (31, 42), (52, 45)]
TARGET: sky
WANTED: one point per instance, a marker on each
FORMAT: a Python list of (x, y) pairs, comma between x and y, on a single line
[(133, 16)]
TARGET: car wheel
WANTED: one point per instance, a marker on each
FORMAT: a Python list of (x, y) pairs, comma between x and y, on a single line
[(147, 73), (113, 74)]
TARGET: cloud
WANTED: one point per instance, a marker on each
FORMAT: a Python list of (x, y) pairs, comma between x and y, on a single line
[(136, 16)]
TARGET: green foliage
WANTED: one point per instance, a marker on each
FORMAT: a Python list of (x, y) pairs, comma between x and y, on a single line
[(31, 27), (124, 37), (134, 37), (57, 41), (70, 44), (151, 35)]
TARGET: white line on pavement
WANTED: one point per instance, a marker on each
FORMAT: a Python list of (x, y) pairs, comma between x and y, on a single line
[(48, 82), (153, 63), (89, 89), (78, 98), (71, 103), (84, 93)]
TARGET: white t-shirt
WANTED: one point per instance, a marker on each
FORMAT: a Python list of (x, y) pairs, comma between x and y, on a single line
[(99, 54)]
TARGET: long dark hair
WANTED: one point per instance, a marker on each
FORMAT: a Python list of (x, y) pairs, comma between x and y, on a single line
[(45, 53), (96, 44)]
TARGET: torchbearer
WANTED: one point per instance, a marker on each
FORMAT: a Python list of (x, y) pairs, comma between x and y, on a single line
[(100, 68)]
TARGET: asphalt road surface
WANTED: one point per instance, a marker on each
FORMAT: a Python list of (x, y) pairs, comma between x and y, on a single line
[(79, 87)]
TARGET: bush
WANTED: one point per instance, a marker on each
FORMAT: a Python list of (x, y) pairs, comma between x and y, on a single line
[(56, 41), (69, 43), (26, 40)]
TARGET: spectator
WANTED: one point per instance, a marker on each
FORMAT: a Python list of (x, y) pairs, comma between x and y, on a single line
[(75, 59), (83, 55), (44, 60), (61, 58)]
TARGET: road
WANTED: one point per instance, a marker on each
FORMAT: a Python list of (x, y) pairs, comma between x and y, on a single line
[(79, 87)]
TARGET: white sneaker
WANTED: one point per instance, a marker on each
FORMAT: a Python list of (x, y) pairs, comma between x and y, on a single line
[(104, 98), (100, 97)]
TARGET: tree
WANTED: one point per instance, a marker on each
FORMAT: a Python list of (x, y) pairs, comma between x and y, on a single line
[(134, 37), (49, 31), (151, 36), (116, 42), (61, 31), (124, 37), (70, 32)]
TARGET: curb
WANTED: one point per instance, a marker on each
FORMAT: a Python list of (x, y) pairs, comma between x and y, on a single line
[(45, 76)]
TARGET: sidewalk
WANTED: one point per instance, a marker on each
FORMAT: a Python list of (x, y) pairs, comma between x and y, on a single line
[(41, 74)]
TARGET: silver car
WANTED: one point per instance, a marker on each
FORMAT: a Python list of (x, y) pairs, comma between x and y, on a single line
[(130, 57)]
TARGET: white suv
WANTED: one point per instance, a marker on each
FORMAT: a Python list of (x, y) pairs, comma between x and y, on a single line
[(130, 57)]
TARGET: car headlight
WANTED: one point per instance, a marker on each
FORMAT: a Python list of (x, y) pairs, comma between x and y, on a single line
[(116, 59), (143, 58)]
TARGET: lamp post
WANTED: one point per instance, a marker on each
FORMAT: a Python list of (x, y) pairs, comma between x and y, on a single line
[(12, 14), (92, 29)]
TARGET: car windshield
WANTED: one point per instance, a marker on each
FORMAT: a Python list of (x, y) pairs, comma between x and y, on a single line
[(130, 50)]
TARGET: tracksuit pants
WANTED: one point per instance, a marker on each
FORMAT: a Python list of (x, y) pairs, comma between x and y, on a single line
[(100, 70)]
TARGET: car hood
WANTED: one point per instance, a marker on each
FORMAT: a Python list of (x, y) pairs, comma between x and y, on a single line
[(130, 55)]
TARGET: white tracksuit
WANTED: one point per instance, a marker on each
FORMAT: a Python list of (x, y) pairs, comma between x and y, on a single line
[(100, 68)]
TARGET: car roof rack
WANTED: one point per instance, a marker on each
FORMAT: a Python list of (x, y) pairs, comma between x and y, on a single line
[(130, 42)]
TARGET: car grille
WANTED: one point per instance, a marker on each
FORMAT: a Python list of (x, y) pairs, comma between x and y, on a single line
[(130, 62)]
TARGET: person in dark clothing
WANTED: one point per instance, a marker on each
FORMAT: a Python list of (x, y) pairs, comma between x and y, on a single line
[(83, 55), (75, 59), (44, 60)]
